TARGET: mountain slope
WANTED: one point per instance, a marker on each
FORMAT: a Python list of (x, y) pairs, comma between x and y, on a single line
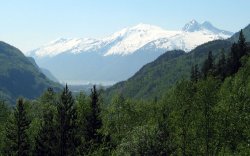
[(246, 32), (159, 75), (46, 72), (19, 77), (118, 56)]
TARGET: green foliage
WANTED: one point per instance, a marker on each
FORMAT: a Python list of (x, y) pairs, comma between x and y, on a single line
[(93, 136), (207, 99), (4, 114), (208, 65), (67, 124), (83, 109), (195, 73), (16, 137), (221, 67), (119, 118), (234, 111), (46, 140), (182, 116)]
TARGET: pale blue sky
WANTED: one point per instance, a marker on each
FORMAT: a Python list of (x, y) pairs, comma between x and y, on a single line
[(28, 24)]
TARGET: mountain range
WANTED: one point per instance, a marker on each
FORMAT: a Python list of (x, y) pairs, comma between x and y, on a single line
[(118, 56)]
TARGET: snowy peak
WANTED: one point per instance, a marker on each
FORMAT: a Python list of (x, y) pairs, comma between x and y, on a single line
[(131, 39), (208, 26), (193, 26)]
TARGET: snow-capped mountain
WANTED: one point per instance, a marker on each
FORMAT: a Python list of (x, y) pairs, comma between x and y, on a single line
[(194, 26), (114, 54), (129, 40)]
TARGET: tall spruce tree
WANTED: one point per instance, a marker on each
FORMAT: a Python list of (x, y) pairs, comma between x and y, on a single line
[(4, 114), (16, 139), (208, 65), (46, 139), (233, 60), (195, 74), (94, 122), (221, 69), (237, 52), (67, 127), (242, 45), (192, 76)]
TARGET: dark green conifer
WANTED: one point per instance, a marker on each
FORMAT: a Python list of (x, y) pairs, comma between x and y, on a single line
[(46, 139), (237, 52), (221, 68), (67, 127), (195, 74), (94, 122), (242, 45), (233, 60), (16, 139), (208, 65)]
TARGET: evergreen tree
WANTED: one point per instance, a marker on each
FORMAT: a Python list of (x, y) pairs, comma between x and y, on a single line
[(4, 114), (195, 74), (67, 127), (192, 77), (242, 45), (233, 60), (237, 52), (208, 65), (48, 97), (94, 122), (221, 69), (164, 141), (16, 139), (46, 139)]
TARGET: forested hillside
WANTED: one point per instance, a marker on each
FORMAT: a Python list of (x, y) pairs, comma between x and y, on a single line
[(19, 77), (209, 114), (156, 77)]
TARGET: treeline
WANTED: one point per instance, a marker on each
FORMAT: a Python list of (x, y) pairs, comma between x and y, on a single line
[(207, 115)]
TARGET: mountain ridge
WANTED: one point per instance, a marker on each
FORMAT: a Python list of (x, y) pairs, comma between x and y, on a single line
[(116, 57), (130, 39), (19, 76)]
